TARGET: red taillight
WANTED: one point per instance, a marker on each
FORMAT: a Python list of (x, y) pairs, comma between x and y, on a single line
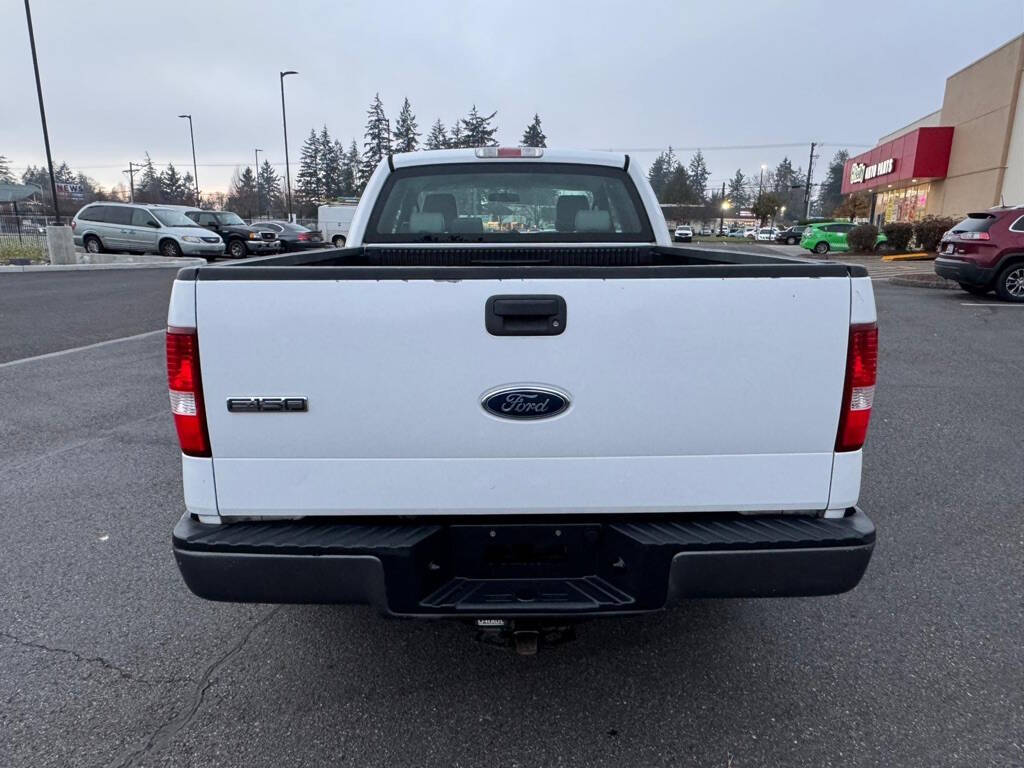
[(73, 225), (186, 391), (508, 152), (974, 236), (859, 390), (303, 235)]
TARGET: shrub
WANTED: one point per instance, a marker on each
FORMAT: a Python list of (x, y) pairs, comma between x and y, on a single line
[(11, 250), (898, 234), (862, 237), (929, 230)]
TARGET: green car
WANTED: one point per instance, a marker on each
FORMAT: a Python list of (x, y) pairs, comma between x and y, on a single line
[(825, 236)]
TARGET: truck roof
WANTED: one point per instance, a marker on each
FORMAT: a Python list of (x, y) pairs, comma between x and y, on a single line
[(445, 156)]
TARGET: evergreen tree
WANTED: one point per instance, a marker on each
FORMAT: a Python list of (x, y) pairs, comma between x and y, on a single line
[(661, 170), (534, 136), (270, 189), (242, 198), (64, 174), (679, 187), (699, 173), (477, 129), (6, 177), (736, 191), (330, 166), (438, 136), (830, 194), (173, 185), (188, 184), (405, 135), (309, 180), (350, 171), (455, 138), (377, 143), (149, 188)]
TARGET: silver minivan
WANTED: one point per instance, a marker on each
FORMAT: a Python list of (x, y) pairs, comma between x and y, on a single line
[(142, 228)]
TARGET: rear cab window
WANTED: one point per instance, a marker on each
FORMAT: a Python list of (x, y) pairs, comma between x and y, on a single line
[(508, 203)]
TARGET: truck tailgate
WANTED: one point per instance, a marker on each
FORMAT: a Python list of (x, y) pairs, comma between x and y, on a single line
[(703, 394)]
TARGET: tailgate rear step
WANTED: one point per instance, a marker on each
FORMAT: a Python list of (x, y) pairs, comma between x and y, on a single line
[(565, 567)]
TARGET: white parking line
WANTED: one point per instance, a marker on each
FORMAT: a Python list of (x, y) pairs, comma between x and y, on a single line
[(993, 304), (62, 352)]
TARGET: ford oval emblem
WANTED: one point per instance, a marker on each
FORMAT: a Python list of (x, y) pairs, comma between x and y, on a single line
[(525, 403)]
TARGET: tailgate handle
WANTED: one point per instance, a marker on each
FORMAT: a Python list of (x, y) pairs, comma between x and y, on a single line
[(525, 315)]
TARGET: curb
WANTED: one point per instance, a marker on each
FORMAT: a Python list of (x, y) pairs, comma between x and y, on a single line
[(920, 256), (924, 281), (168, 264)]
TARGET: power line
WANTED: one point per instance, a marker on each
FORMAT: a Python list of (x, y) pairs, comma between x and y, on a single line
[(726, 147)]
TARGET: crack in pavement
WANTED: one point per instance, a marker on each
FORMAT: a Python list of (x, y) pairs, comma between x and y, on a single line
[(109, 665), (160, 737)]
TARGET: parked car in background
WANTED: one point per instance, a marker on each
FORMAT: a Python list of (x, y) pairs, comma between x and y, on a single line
[(736, 232), (750, 232), (240, 239), (825, 236), (985, 252), (706, 231), (293, 237), (334, 221), (684, 234), (141, 228), (767, 234), (790, 235)]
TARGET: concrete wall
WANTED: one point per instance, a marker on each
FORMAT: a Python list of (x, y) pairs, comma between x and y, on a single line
[(980, 101)]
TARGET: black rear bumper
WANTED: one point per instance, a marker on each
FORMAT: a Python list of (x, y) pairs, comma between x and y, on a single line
[(966, 272), (526, 568)]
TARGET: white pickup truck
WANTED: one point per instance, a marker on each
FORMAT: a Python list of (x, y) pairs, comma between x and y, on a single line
[(511, 399)]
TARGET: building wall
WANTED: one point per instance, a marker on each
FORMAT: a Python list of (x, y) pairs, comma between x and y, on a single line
[(928, 121), (1013, 179), (980, 101)]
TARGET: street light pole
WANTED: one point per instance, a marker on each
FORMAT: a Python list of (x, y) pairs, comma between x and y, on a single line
[(42, 112), (259, 197), (760, 192), (721, 215), (195, 168), (284, 124)]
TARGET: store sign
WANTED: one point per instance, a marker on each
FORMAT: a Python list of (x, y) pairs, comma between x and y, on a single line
[(860, 173), (74, 191)]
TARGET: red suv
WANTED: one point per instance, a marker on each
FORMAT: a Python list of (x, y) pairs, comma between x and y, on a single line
[(985, 252)]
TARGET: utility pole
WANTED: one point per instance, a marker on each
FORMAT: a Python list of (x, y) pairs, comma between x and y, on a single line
[(42, 112), (807, 190), (259, 197), (132, 170)]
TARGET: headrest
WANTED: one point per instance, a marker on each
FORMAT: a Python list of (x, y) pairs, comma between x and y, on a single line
[(566, 209), (467, 225), (593, 221), (443, 203), (426, 223)]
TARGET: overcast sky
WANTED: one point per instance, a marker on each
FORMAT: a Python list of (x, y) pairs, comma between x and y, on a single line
[(634, 74)]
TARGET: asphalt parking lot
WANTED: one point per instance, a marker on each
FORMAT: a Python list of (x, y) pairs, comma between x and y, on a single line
[(107, 660)]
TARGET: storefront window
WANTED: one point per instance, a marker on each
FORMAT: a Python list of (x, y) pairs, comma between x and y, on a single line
[(907, 204)]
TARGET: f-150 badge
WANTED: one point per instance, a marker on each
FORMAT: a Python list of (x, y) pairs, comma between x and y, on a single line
[(525, 403), (267, 404)]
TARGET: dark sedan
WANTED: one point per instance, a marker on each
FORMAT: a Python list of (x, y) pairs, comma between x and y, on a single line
[(293, 237), (790, 236)]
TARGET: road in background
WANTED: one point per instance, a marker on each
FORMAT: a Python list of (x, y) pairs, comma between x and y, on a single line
[(107, 660)]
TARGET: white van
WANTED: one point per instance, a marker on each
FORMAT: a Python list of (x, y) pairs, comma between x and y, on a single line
[(334, 221)]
